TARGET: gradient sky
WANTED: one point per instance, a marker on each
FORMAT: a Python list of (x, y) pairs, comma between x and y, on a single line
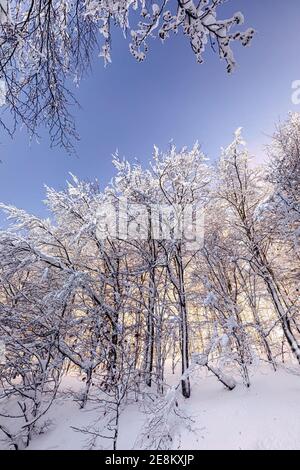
[(131, 106)]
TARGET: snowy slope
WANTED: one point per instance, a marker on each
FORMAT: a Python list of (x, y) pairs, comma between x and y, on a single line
[(266, 416)]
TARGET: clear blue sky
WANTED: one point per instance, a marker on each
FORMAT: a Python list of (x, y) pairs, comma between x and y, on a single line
[(131, 106)]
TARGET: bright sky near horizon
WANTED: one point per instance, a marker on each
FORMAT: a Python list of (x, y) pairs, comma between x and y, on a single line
[(130, 106)]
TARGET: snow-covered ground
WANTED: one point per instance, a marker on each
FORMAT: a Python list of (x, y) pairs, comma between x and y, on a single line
[(266, 416)]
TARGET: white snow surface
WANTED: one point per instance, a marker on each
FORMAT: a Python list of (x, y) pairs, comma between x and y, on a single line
[(266, 416)]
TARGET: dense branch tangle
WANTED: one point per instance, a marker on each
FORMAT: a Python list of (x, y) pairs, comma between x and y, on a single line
[(125, 312), (46, 45)]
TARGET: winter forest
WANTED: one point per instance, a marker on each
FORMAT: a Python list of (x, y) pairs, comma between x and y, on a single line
[(157, 309)]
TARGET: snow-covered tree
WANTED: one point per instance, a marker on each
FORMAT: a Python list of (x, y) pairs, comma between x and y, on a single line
[(284, 175), (45, 45), (244, 192), (120, 287)]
